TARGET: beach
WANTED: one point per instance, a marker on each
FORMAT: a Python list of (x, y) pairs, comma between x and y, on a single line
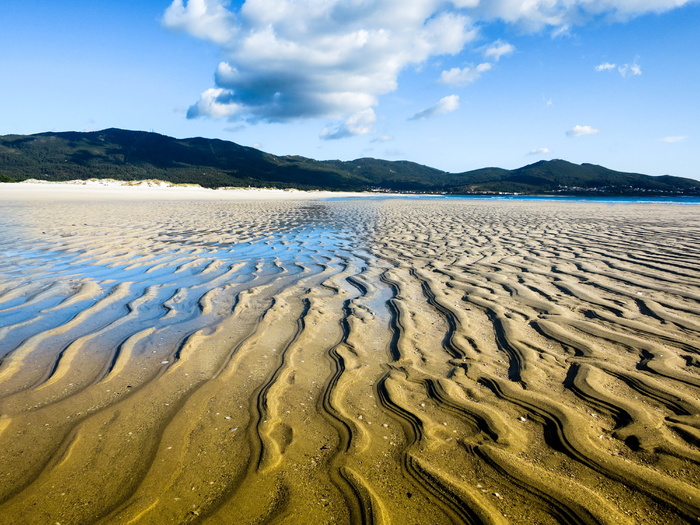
[(181, 355)]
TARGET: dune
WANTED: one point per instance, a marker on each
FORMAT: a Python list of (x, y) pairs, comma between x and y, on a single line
[(205, 356), (110, 189)]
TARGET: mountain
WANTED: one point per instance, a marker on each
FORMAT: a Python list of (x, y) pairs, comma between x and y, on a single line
[(559, 176), (137, 155)]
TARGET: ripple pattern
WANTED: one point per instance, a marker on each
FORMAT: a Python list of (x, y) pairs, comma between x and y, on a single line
[(374, 362)]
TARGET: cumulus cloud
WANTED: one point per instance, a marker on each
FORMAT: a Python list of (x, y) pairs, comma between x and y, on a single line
[(672, 140), (215, 102), (291, 59), (446, 104), (540, 151), (463, 76), (560, 15), (205, 19), (358, 124), (580, 131)]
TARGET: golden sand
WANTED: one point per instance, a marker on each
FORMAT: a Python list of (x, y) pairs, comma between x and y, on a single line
[(363, 361)]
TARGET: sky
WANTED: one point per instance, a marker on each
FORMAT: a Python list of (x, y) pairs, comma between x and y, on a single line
[(456, 85)]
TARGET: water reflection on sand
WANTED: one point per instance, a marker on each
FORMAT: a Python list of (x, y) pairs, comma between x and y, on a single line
[(376, 361)]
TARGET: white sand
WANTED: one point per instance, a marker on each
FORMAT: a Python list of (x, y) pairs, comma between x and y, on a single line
[(151, 190)]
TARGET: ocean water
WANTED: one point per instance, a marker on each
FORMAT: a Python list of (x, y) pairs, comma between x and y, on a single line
[(685, 200)]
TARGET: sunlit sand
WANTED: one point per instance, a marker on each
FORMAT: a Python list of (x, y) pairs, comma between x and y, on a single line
[(231, 357)]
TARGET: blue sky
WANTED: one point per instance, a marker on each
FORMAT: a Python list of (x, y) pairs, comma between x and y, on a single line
[(455, 85)]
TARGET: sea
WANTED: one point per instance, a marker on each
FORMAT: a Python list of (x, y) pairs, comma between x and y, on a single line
[(689, 200)]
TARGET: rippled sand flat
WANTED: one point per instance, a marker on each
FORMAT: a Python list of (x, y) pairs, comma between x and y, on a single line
[(362, 361)]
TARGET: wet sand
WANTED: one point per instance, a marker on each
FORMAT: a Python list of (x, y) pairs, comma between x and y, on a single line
[(362, 361)]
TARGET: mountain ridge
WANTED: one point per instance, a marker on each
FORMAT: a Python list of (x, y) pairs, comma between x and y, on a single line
[(138, 155)]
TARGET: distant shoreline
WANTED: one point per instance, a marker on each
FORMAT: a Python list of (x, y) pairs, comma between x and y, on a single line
[(111, 189)]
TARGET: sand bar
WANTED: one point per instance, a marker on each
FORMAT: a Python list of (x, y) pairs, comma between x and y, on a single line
[(366, 361)]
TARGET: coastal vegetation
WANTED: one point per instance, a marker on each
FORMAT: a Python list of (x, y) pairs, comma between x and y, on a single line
[(136, 155)]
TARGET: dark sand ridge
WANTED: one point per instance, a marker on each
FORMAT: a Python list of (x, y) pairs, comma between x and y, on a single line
[(349, 362)]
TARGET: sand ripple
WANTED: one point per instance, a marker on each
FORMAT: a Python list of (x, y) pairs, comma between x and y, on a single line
[(349, 362)]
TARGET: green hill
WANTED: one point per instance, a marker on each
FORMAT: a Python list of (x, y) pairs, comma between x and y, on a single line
[(559, 176), (136, 155)]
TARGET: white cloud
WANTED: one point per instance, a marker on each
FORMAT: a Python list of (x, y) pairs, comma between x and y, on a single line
[(633, 68), (606, 66), (560, 15), (383, 138), (498, 49), (540, 151), (463, 76), (292, 59), (445, 105), (358, 124), (214, 102), (580, 131), (205, 19), (672, 140), (623, 69)]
